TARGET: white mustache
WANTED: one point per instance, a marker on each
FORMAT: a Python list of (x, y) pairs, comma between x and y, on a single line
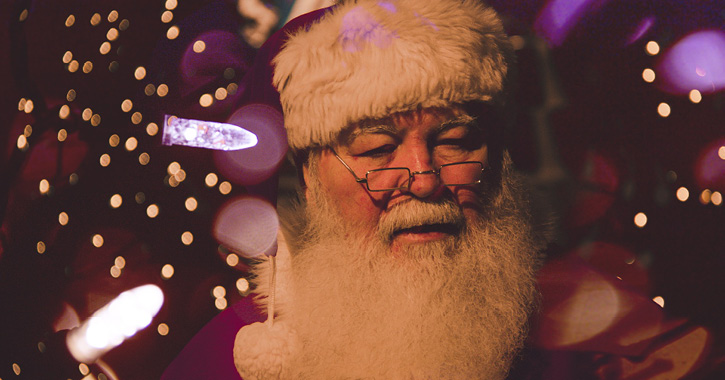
[(414, 213)]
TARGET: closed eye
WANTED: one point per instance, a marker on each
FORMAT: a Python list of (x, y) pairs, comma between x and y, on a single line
[(380, 151), (468, 144)]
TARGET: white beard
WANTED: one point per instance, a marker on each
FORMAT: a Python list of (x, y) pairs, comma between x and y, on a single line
[(454, 309)]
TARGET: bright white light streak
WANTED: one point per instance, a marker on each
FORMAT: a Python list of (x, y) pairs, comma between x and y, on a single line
[(206, 134), (108, 327)]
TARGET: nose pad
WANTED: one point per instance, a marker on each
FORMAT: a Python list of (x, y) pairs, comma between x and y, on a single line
[(425, 183)]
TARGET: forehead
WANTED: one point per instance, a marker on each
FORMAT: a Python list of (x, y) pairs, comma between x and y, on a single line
[(427, 119)]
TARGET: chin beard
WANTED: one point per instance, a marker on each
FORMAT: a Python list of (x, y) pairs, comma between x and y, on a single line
[(455, 308)]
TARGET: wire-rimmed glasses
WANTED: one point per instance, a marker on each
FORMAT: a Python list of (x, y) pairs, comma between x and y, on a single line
[(388, 179)]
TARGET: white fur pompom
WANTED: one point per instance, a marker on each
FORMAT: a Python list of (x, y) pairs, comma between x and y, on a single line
[(262, 351)]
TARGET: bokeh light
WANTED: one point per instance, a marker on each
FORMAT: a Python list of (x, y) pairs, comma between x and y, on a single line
[(167, 271), (648, 75), (120, 262), (248, 226), (64, 111), (256, 164), (112, 34), (652, 48), (144, 158), (162, 90), (716, 198), (87, 67), (152, 129), (62, 135), (199, 46), (126, 105), (191, 203), (211, 179), (705, 196), (140, 73), (664, 110), (219, 291), (659, 301), (163, 329), (682, 194), (131, 144), (242, 285), (44, 186), (206, 100), (695, 96), (559, 17), (114, 140), (172, 33), (232, 260), (105, 48), (40, 247), (694, 62), (105, 160), (116, 200), (63, 218), (70, 20), (225, 187), (152, 211), (167, 16), (149, 90), (640, 220), (22, 142), (97, 240), (187, 238)]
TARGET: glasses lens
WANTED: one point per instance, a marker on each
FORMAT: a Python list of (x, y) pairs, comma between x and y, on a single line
[(388, 179), (462, 173)]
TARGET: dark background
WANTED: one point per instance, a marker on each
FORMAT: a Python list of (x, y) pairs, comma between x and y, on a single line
[(586, 129)]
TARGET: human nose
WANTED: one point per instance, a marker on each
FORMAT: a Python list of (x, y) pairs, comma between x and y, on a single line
[(425, 181)]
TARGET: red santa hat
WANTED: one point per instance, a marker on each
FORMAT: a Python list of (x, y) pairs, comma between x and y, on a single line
[(367, 59)]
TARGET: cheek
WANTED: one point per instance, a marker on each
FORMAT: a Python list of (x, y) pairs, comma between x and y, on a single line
[(351, 199)]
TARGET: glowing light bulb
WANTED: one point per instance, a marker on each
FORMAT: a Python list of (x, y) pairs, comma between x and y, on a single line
[(206, 134), (123, 317)]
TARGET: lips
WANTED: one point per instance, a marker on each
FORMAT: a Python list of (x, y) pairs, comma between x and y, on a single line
[(444, 228)]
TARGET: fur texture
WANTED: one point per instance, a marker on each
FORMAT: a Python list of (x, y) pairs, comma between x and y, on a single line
[(371, 58), (456, 309)]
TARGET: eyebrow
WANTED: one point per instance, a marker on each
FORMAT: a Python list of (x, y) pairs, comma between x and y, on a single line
[(371, 127), (386, 127), (463, 120)]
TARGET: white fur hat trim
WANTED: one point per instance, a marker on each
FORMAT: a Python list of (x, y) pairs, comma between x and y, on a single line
[(369, 59)]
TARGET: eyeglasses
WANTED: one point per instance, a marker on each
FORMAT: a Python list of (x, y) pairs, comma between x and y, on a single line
[(388, 179)]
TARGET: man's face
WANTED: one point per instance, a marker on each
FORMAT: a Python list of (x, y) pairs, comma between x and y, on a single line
[(421, 141)]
